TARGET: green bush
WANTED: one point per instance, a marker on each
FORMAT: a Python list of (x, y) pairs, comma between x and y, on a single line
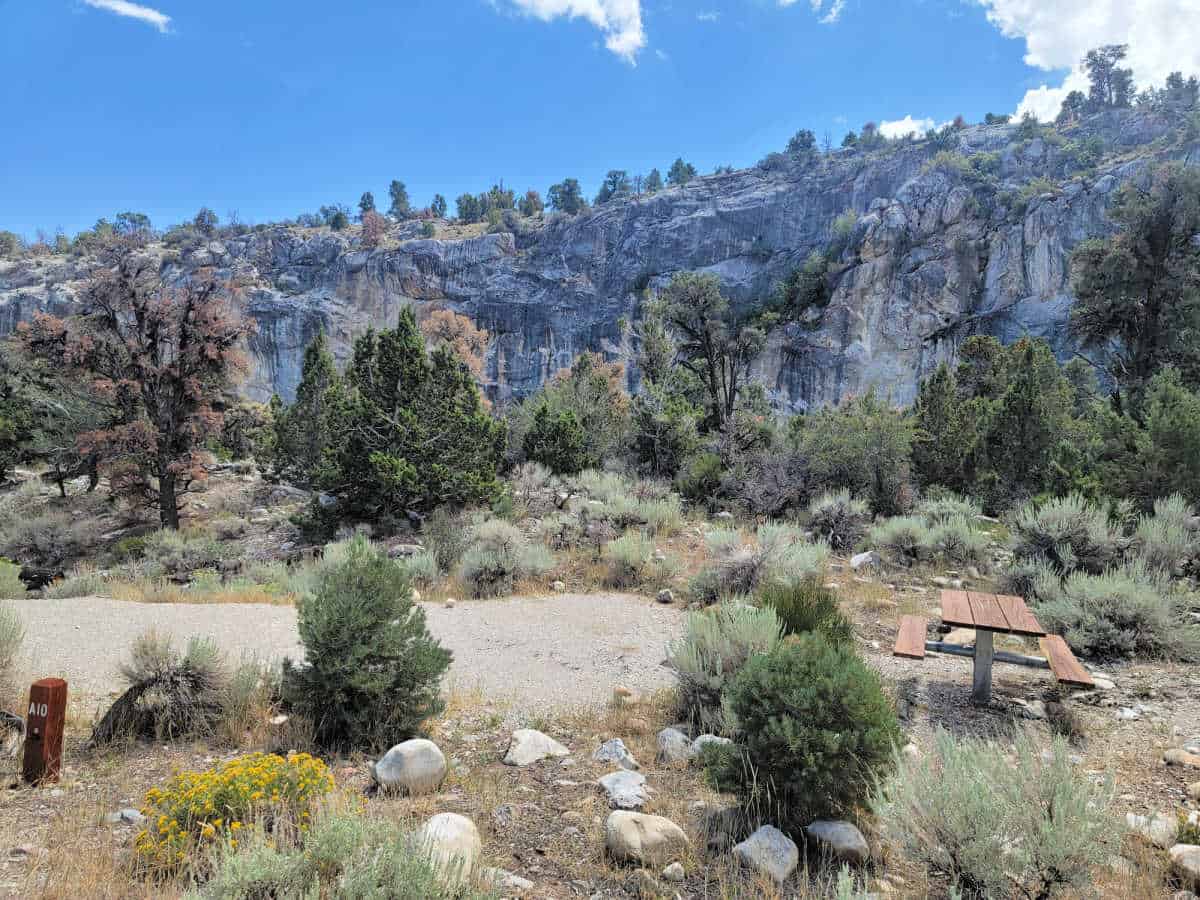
[(946, 505), (10, 585), (1168, 541), (699, 479), (904, 540), (81, 581), (12, 634), (447, 534), (498, 556), (371, 671), (808, 606), (627, 559), (422, 568), (715, 645), (1126, 612), (556, 440), (346, 855), (955, 540), (47, 539), (814, 730), (1070, 533), (663, 516), (968, 810), (181, 552), (839, 518), (778, 554)]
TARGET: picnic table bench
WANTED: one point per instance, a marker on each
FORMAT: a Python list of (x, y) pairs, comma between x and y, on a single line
[(989, 614)]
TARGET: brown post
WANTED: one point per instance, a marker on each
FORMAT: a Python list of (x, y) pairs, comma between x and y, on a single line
[(44, 730)]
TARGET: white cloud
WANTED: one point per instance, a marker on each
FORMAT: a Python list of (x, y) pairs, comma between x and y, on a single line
[(709, 16), (829, 10), (620, 21), (150, 16), (1161, 35), (898, 128)]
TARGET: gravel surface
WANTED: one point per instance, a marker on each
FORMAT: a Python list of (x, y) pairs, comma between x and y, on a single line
[(540, 653)]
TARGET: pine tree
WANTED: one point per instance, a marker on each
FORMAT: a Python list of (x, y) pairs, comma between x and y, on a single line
[(943, 438), (306, 433), (556, 440), (654, 182), (400, 208), (438, 206), (366, 203), (680, 173)]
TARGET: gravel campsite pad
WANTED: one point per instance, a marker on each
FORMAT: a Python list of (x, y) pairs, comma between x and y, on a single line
[(540, 653)]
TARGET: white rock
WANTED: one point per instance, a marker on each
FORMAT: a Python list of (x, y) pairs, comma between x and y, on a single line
[(842, 839), (450, 603), (666, 595), (527, 746), (911, 751), (453, 844), (770, 852), (558, 586), (614, 751), (625, 789), (868, 559), (673, 746), (128, 816), (1159, 830), (502, 878), (1185, 863), (674, 872), (413, 767), (640, 838)]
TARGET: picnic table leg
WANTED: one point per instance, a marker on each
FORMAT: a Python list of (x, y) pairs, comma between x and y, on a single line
[(981, 692)]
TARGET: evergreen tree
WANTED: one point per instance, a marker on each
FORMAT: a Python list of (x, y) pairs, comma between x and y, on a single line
[(16, 420), (531, 204), (567, 197), (401, 208), (1138, 292), (944, 438), (468, 208), (802, 143), (654, 182), (556, 440), (366, 203), (616, 186), (308, 431), (1109, 84), (438, 206), (680, 173)]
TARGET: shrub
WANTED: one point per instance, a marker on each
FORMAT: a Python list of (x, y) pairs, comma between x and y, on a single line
[(814, 729), (904, 540), (778, 553), (371, 670), (81, 581), (557, 441), (344, 855), (447, 535), (1125, 612), (12, 634), (498, 556), (699, 480), (662, 517), (1070, 533), (956, 540), (715, 645), (967, 810), (627, 558), (946, 505), (11, 585), (198, 809), (170, 694), (840, 519), (48, 539), (422, 568), (808, 606), (1167, 541), (181, 552)]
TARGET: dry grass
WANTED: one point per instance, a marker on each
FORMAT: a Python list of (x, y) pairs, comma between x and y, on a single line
[(164, 591)]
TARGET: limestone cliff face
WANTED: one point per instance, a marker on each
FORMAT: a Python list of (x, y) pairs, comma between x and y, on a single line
[(935, 255)]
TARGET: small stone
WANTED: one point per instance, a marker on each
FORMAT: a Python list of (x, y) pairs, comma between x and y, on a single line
[(614, 751), (641, 838), (724, 515), (127, 816), (527, 746), (1193, 791), (673, 746), (413, 767), (453, 844), (911, 751), (502, 878), (666, 595), (450, 603), (624, 789), (1103, 684), (558, 586), (674, 872), (1178, 757), (770, 852), (841, 839)]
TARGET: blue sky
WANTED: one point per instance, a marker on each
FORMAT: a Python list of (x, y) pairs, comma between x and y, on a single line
[(273, 108)]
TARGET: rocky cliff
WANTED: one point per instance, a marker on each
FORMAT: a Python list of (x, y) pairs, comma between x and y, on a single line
[(945, 242)]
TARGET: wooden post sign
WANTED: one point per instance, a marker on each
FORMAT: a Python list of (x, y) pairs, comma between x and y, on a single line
[(44, 730)]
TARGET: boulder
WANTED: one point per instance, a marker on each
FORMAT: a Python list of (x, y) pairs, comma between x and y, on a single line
[(673, 746), (640, 838), (1185, 863), (1180, 757), (614, 751), (706, 740), (127, 816), (527, 746), (506, 880), (674, 872), (413, 767), (1160, 830), (624, 789), (770, 852), (666, 595), (1193, 791), (841, 839), (453, 844)]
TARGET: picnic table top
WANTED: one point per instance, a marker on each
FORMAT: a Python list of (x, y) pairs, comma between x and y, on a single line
[(989, 612)]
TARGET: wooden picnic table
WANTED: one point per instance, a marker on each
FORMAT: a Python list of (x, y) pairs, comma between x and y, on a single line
[(988, 614)]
